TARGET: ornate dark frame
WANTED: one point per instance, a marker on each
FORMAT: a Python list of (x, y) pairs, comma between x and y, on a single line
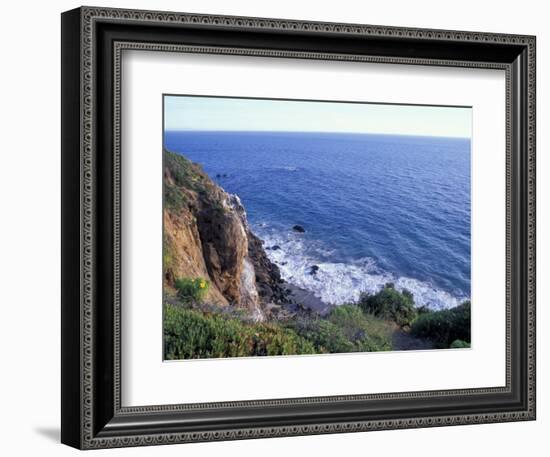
[(92, 42)]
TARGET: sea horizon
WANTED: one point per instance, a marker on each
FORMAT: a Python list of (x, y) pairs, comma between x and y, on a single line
[(315, 132)]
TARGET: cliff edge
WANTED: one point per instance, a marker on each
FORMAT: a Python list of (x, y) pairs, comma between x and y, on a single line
[(206, 235)]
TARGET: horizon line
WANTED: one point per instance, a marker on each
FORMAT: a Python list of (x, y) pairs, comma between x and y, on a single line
[(316, 131)]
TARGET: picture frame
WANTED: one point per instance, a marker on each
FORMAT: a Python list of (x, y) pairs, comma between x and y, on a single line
[(93, 415)]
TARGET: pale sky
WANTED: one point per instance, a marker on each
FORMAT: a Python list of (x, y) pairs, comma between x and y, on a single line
[(241, 114)]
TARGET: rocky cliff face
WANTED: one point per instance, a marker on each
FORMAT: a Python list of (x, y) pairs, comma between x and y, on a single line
[(206, 234)]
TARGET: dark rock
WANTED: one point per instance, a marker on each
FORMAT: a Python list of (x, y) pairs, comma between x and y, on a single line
[(268, 277), (299, 229), (275, 247), (313, 270)]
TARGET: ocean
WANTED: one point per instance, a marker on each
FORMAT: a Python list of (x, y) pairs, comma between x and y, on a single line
[(375, 208)]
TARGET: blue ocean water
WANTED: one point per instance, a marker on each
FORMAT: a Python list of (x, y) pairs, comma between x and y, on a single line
[(376, 208)]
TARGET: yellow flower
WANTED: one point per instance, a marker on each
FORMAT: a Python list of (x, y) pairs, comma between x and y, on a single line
[(202, 284)]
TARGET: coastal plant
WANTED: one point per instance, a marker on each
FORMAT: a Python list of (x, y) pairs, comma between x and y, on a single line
[(182, 170), (390, 304), (459, 344), (192, 334), (191, 290), (345, 329), (366, 331), (323, 334), (446, 326), (174, 198)]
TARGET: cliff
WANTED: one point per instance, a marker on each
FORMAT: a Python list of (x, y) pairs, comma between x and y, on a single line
[(206, 235)]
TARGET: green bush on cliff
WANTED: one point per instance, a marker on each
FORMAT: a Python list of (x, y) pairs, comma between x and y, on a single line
[(368, 332), (390, 304), (446, 326), (184, 172), (345, 329), (174, 199), (193, 334), (323, 334), (192, 290)]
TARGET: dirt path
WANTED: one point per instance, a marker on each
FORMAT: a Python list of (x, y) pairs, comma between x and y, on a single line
[(404, 341)]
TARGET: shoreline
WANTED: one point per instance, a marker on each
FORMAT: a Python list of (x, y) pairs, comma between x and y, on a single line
[(308, 299), (284, 249)]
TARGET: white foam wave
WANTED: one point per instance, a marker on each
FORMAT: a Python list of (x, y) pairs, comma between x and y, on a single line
[(339, 283)]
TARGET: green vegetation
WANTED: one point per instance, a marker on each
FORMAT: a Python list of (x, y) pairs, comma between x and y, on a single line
[(174, 199), (184, 174), (325, 336), (446, 328), (459, 344), (192, 290), (193, 334), (366, 331), (390, 304), (346, 329), (196, 330)]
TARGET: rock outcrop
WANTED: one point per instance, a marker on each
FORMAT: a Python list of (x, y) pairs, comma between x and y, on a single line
[(206, 234)]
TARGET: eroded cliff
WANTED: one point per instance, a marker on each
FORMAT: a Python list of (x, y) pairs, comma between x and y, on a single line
[(206, 235)]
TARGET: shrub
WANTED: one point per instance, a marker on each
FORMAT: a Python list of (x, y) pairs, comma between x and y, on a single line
[(184, 172), (445, 326), (345, 329), (368, 332), (323, 334), (192, 290), (459, 344), (390, 304), (174, 198), (192, 334)]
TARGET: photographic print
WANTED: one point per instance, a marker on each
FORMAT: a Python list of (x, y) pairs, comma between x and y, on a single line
[(295, 227)]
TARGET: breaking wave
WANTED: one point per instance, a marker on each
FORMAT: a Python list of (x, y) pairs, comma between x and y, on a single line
[(341, 282)]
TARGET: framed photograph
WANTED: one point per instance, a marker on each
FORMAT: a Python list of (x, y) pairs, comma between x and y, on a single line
[(273, 227)]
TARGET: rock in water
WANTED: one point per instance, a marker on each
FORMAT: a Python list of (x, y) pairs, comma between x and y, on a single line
[(299, 229), (313, 270)]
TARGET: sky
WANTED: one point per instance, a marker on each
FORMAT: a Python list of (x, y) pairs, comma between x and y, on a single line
[(241, 114)]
